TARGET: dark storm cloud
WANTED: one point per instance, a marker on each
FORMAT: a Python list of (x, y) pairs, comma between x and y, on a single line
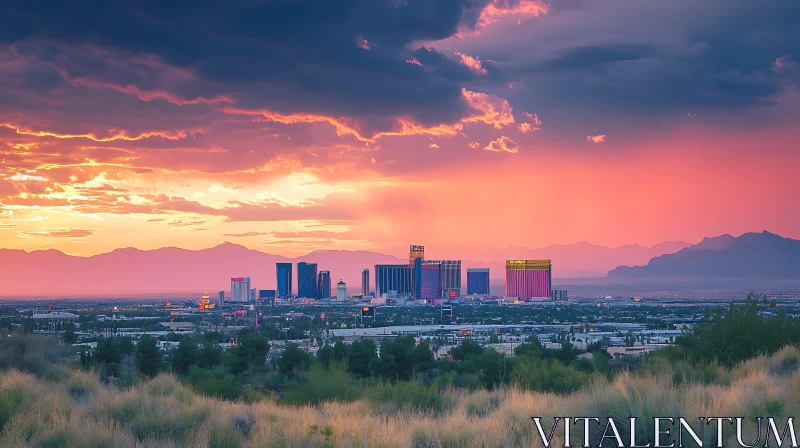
[(593, 61), (578, 58), (449, 68), (293, 55)]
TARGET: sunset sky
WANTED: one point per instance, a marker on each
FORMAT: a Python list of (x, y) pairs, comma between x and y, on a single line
[(294, 125)]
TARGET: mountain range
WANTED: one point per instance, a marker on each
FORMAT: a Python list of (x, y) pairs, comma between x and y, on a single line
[(130, 271), (751, 256)]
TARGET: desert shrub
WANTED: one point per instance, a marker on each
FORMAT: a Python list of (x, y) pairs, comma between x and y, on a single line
[(166, 424), (700, 373), (481, 404), (784, 362), (55, 439), (409, 396), (213, 383), (224, 437), (35, 354), (320, 384), (545, 375)]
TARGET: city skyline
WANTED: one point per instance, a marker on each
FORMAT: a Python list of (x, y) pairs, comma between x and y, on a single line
[(623, 124)]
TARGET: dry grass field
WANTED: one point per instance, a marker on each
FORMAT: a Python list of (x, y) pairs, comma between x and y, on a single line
[(71, 408)]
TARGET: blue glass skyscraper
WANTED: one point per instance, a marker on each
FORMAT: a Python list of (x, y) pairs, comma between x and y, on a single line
[(284, 272), (478, 281), (307, 280)]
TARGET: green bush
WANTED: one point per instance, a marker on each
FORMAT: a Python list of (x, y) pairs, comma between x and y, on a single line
[(408, 395), (545, 375), (214, 383), (319, 385)]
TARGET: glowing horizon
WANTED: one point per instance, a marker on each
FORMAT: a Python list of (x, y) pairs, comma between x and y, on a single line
[(497, 123)]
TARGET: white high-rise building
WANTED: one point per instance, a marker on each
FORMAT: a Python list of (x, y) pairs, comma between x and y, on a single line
[(341, 291), (240, 289)]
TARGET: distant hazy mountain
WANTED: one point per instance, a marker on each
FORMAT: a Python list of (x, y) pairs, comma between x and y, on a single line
[(167, 270), (752, 256), (131, 271)]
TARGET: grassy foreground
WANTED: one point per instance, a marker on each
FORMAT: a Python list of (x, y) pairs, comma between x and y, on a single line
[(72, 408)]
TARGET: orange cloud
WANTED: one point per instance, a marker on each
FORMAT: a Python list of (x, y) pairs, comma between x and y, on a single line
[(491, 109), (486, 108), (116, 134), (472, 62), (600, 138), (245, 234), (474, 145), (534, 123), (149, 95), (503, 144), (361, 42), (60, 233), (500, 8)]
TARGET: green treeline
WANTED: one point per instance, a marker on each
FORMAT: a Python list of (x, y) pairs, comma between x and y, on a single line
[(405, 372)]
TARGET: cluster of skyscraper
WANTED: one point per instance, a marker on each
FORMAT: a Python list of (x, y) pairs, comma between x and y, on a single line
[(420, 279), (426, 280), (310, 283)]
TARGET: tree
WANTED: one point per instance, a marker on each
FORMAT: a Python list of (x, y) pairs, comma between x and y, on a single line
[(739, 333), (148, 356), (325, 355), (209, 355), (251, 351), (495, 368), (363, 360), (422, 357), (396, 360), (185, 355), (69, 337), (532, 349), (292, 360), (341, 352), (467, 347), (126, 346), (107, 351)]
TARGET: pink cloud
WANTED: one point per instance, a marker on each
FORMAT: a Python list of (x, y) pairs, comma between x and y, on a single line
[(473, 63), (503, 144), (59, 233), (533, 123), (600, 138), (362, 43), (522, 8), (490, 109)]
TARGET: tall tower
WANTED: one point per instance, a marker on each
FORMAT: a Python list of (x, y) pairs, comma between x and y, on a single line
[(430, 280), (478, 281), (415, 251), (416, 254), (324, 285), (341, 291), (527, 279), (451, 276), (307, 280), (240, 289), (365, 282), (284, 273), (392, 277)]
